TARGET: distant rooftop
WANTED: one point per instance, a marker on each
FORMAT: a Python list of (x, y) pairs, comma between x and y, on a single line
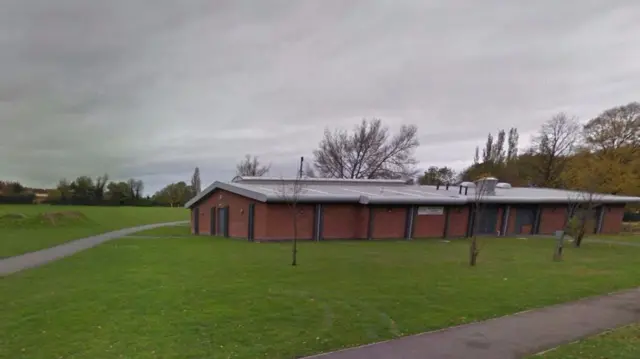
[(375, 191)]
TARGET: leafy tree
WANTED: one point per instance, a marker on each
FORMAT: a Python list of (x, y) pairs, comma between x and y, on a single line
[(118, 191), (615, 128), (174, 194), (83, 188), (438, 175), (512, 149), (370, 151), (196, 184)]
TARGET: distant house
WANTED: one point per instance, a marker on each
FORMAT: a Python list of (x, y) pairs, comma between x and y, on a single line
[(252, 208), (41, 196)]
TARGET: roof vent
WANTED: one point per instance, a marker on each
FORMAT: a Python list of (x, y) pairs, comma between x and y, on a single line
[(486, 186), (503, 185)]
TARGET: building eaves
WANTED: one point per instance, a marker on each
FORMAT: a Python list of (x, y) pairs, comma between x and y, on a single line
[(241, 191)]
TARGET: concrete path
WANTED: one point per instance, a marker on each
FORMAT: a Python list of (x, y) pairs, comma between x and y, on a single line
[(34, 259), (510, 337)]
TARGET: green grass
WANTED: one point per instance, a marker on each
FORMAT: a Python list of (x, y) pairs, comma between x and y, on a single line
[(173, 231), (626, 237), (623, 343), (26, 228), (204, 297)]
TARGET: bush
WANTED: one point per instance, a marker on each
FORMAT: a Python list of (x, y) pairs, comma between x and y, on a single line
[(27, 198), (143, 202)]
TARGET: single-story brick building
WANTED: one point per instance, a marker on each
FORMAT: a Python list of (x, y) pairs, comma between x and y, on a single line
[(256, 208)]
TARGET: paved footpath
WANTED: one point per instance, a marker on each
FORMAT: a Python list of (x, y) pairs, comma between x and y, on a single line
[(34, 259), (510, 337)]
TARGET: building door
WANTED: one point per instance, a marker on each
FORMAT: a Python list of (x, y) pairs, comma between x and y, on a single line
[(212, 221), (525, 218), (250, 230), (223, 222), (196, 220), (487, 220)]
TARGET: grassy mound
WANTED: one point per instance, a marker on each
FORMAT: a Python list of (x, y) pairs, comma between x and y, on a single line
[(45, 219), (12, 217), (64, 217)]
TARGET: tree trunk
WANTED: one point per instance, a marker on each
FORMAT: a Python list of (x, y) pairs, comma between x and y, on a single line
[(473, 251), (557, 253), (581, 231), (295, 237)]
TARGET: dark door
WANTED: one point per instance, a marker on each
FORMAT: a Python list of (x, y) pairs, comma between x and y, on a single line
[(525, 218), (252, 210), (196, 220), (223, 221), (487, 220), (212, 221)]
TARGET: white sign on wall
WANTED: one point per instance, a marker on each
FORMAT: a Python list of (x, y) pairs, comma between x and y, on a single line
[(430, 211)]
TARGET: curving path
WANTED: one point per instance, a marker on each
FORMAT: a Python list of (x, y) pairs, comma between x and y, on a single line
[(34, 259), (510, 337)]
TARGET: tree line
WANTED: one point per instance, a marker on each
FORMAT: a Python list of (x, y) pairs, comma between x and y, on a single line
[(86, 190)]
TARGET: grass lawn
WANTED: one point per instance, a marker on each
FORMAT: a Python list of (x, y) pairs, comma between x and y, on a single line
[(623, 343), (173, 231), (204, 297), (26, 228), (626, 237)]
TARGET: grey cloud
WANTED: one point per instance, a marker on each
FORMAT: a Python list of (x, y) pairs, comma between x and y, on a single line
[(153, 88)]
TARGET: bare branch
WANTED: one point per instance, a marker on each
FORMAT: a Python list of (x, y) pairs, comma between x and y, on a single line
[(369, 152), (554, 143), (252, 167)]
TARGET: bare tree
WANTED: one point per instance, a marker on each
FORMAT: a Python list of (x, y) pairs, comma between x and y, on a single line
[(289, 192), (553, 144), (581, 215), (252, 167), (369, 152), (135, 188), (101, 182), (481, 190)]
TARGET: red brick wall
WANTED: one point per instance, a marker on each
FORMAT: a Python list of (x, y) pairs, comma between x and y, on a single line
[(552, 219), (238, 220), (426, 226), (458, 221), (345, 221), (612, 222), (279, 224), (389, 222)]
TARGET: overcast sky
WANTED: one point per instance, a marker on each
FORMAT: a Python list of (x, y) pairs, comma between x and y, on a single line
[(151, 89)]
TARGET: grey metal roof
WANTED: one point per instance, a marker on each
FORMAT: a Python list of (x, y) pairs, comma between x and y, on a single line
[(314, 190)]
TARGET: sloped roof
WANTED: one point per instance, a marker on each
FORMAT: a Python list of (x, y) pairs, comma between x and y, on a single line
[(314, 190)]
